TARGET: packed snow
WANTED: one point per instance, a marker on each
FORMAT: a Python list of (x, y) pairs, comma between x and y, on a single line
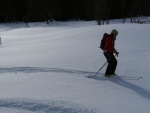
[(44, 68)]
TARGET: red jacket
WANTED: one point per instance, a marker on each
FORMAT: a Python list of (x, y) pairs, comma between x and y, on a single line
[(109, 44)]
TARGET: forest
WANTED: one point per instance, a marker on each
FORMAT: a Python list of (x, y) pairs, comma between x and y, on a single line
[(64, 10)]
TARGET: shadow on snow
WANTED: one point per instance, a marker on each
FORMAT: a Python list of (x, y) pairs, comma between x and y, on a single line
[(124, 82)]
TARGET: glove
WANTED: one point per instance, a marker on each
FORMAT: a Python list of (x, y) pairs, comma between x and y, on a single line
[(116, 53)]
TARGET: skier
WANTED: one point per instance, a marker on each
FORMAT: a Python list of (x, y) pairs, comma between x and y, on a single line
[(109, 51)]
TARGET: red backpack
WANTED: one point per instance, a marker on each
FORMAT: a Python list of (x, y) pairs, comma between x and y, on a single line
[(102, 43)]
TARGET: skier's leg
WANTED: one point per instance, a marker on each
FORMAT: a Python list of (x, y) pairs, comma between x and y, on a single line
[(114, 64), (109, 60)]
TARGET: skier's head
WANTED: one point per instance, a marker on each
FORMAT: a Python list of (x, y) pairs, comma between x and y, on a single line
[(114, 33)]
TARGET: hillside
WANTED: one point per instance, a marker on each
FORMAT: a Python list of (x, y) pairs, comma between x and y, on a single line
[(44, 69)]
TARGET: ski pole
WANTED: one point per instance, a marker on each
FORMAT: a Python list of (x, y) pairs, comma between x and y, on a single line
[(101, 68)]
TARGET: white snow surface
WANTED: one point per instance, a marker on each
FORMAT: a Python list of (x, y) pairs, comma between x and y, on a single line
[(44, 68)]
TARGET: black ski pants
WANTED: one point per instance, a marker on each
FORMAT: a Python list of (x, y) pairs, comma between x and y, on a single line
[(112, 63)]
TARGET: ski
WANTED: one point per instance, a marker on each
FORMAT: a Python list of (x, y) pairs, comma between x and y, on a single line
[(115, 77), (128, 77), (131, 77), (124, 78)]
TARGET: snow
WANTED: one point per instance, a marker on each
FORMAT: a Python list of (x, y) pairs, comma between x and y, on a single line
[(44, 68)]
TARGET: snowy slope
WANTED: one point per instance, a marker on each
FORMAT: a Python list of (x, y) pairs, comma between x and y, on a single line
[(43, 69)]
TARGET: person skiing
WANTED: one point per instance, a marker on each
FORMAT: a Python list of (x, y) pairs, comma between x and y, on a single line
[(109, 50)]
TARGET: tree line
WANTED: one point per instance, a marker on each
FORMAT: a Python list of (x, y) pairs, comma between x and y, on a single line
[(63, 10)]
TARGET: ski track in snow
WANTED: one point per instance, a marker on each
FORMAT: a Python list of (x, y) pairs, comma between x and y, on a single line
[(42, 106), (41, 69)]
